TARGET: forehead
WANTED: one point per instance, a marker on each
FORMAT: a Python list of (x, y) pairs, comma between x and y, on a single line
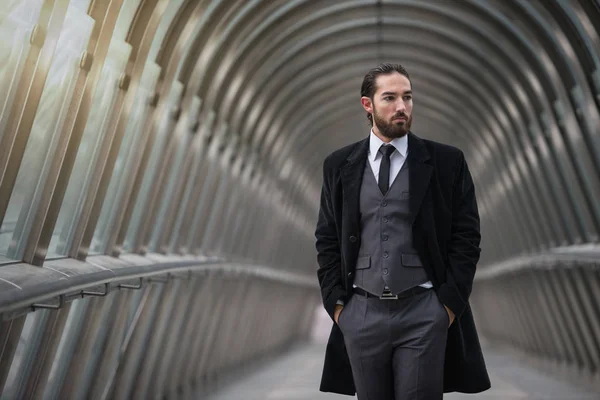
[(394, 82)]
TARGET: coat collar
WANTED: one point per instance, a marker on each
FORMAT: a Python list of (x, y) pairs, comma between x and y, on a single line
[(420, 172)]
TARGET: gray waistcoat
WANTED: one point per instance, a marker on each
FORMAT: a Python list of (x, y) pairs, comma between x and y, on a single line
[(387, 256)]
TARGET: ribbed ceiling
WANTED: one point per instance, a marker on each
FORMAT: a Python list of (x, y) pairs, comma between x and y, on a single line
[(493, 77)]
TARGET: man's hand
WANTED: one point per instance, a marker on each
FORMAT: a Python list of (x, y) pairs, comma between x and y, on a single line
[(451, 315), (336, 312)]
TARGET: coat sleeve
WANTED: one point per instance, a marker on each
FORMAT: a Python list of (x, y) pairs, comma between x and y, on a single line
[(464, 250), (329, 256)]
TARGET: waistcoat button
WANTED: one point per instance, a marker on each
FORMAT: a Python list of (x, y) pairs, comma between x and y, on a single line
[(353, 239), (385, 238), (385, 271), (385, 255)]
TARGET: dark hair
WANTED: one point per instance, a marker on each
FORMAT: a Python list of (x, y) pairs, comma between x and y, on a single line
[(369, 88)]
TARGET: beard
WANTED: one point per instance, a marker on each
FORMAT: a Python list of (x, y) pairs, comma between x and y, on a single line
[(391, 129)]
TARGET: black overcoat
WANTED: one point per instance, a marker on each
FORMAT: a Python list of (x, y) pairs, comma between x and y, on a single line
[(445, 234)]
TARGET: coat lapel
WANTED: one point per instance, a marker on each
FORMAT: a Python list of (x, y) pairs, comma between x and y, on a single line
[(419, 173), (352, 175)]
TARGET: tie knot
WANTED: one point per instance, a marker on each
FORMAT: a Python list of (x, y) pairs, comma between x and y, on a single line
[(387, 150)]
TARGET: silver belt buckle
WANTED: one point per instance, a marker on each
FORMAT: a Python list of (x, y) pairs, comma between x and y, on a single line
[(388, 296)]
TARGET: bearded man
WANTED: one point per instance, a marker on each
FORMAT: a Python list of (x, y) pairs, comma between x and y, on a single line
[(398, 243)]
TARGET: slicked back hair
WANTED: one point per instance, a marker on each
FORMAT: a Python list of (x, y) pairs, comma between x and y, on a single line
[(369, 85)]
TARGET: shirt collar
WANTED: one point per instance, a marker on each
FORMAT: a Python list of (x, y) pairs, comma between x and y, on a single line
[(401, 145)]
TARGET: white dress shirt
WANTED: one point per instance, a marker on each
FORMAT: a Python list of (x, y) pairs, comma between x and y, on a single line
[(396, 159)]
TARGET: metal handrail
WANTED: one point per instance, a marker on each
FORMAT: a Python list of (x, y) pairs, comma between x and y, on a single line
[(553, 258), (67, 288)]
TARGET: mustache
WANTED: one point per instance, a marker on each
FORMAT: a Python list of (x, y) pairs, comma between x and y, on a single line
[(401, 115)]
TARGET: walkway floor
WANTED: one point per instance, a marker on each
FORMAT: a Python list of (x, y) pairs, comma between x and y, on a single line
[(296, 375)]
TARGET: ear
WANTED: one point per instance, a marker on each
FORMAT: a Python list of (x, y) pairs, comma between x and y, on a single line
[(367, 104)]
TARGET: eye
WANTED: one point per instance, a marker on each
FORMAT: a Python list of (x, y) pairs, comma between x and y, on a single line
[(407, 98), (388, 98)]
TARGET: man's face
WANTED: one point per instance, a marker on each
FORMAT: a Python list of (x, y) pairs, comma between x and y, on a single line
[(391, 106)]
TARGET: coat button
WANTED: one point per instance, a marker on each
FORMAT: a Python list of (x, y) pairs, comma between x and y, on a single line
[(385, 220), (383, 203), (385, 271), (353, 239), (385, 255), (385, 238), (350, 274)]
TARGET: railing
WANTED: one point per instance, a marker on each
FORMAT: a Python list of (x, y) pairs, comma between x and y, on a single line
[(142, 327), (546, 306)]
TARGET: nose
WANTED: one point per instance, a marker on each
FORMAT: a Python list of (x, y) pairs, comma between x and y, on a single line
[(400, 106)]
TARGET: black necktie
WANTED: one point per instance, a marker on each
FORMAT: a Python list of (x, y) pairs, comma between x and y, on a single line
[(384, 169)]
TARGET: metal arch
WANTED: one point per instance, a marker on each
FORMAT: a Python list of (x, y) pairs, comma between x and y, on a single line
[(181, 22), (584, 28), (216, 50), (241, 113), (199, 52), (302, 84), (252, 44), (570, 127), (341, 79), (573, 129), (317, 15)]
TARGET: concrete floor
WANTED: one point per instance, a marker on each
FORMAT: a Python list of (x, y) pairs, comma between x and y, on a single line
[(296, 375)]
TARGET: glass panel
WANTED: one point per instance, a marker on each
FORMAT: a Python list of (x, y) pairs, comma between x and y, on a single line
[(101, 112), (165, 23), (150, 175), (137, 303), (81, 5), (65, 348), (25, 354), (126, 15), (184, 213), (124, 164), (176, 174), (17, 18), (97, 339), (45, 132)]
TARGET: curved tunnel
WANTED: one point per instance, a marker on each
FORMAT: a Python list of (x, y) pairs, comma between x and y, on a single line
[(161, 172)]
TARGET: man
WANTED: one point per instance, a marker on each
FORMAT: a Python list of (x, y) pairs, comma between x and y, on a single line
[(398, 243)]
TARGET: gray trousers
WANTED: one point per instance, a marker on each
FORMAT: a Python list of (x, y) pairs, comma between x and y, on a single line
[(396, 347)]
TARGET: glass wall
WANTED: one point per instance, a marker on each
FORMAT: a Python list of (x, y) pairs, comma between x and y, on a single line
[(47, 129), (130, 148), (154, 163), (17, 19), (102, 110)]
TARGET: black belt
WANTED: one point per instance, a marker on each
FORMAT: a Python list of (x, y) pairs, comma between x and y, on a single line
[(387, 295)]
